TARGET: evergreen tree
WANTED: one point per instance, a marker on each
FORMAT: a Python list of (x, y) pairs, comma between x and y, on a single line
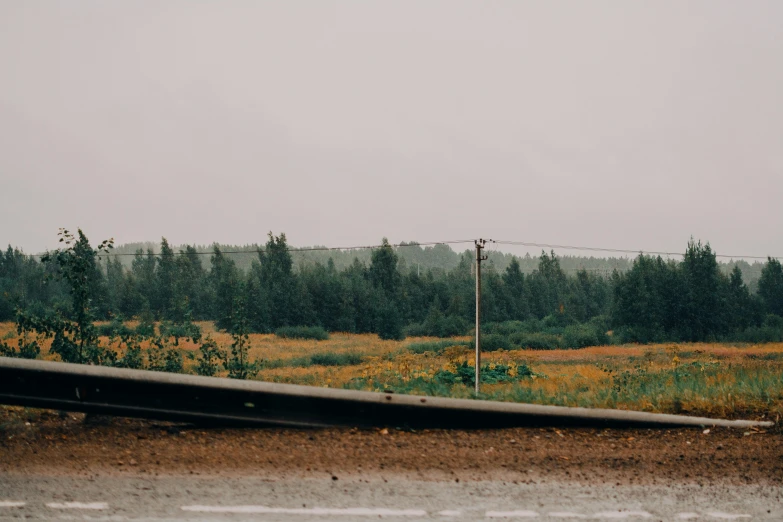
[(771, 287), (225, 280), (278, 281), (516, 292), (166, 278), (383, 270), (703, 307)]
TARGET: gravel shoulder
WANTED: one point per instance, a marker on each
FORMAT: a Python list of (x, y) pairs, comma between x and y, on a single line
[(42, 442)]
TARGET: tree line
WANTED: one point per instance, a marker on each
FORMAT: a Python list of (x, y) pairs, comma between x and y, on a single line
[(654, 300)]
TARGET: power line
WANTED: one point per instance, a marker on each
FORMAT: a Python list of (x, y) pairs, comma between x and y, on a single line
[(290, 249), (618, 250), (448, 242)]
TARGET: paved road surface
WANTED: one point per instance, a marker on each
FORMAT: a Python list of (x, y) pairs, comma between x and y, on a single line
[(197, 498)]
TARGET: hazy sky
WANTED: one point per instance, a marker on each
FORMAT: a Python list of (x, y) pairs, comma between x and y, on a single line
[(621, 124)]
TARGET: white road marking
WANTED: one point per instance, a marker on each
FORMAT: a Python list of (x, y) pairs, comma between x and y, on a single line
[(521, 513), (450, 513), (374, 512), (566, 514), (622, 514), (11, 503), (687, 516), (78, 505), (726, 516)]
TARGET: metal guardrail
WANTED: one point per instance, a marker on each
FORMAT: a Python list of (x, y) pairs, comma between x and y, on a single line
[(190, 398)]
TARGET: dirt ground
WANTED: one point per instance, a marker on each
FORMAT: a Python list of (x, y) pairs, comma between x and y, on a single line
[(43, 442)]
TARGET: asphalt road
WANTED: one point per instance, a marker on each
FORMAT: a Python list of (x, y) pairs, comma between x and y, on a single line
[(197, 498)]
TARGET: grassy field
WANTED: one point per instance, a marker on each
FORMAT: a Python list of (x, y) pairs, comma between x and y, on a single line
[(714, 379)]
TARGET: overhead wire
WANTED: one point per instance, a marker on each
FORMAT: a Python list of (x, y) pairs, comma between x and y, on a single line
[(493, 248), (288, 249), (622, 250)]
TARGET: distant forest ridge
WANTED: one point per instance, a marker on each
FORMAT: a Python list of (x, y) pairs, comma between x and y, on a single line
[(436, 257)]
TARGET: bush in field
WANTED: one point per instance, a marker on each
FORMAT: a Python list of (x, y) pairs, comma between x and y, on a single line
[(438, 325), (164, 358), (185, 330), (583, 335), (238, 363), (146, 326), (132, 358), (490, 374), (302, 332), (493, 343), (640, 334), (435, 347), (335, 359), (73, 333), (115, 328), (209, 358), (771, 331), (535, 341), (23, 350), (511, 327)]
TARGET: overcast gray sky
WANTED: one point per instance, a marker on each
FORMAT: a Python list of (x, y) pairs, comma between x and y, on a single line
[(621, 124)]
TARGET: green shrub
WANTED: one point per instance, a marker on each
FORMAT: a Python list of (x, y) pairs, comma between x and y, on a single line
[(114, 328), (770, 331), (490, 374), (132, 358), (336, 359), (146, 326), (302, 332), (438, 326), (25, 350), (209, 358), (535, 341), (492, 343), (389, 323), (186, 330), (436, 347), (583, 335), (512, 327), (641, 335)]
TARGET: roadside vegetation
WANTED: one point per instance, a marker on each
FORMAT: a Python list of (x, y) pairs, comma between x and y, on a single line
[(733, 380), (549, 338)]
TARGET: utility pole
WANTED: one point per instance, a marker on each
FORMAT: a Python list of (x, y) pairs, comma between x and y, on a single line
[(479, 258)]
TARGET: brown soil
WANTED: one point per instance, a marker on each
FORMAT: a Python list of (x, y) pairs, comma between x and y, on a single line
[(54, 445)]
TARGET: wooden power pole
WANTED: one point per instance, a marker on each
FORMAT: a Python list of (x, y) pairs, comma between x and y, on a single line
[(479, 258)]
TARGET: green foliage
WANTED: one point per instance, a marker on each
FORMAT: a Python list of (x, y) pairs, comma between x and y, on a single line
[(164, 358), (770, 331), (302, 332), (210, 357), (493, 343), (238, 363), (335, 359), (115, 328), (490, 374), (133, 357), (437, 324), (383, 269), (583, 335), (436, 347), (535, 341), (542, 302), (183, 330), (146, 326), (389, 322), (74, 336), (771, 287), (23, 350)]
